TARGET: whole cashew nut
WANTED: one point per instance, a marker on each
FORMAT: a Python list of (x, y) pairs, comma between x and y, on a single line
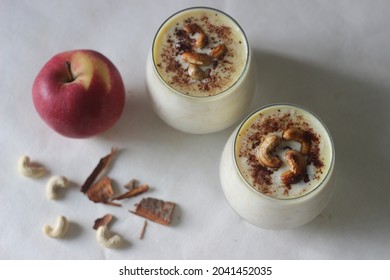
[(196, 72), (264, 152), (193, 28), (297, 164), (54, 183), (104, 239), (29, 169), (59, 229), (299, 135)]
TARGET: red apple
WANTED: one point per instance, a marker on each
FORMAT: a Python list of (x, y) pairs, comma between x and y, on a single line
[(79, 93)]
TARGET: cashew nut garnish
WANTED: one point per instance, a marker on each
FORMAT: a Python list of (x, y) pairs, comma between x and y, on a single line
[(297, 164), (196, 73), (29, 169), (299, 135), (104, 239), (193, 28), (264, 151), (59, 229), (219, 51), (197, 58), (54, 183)]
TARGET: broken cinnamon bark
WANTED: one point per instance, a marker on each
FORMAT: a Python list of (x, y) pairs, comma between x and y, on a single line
[(155, 210), (133, 192), (103, 163), (141, 236), (102, 192), (131, 184), (103, 221)]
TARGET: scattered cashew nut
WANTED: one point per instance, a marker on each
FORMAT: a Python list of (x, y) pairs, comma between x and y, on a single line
[(299, 135), (104, 239), (264, 151), (30, 169), (59, 229), (297, 164), (54, 183)]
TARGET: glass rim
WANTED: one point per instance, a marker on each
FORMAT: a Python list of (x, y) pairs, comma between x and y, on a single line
[(331, 162), (222, 93)]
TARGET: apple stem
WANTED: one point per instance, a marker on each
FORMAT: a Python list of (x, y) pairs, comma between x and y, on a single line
[(70, 75)]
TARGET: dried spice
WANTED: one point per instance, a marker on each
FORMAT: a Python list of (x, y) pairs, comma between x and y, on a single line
[(101, 192), (134, 191), (141, 236), (155, 210), (131, 184), (103, 163), (103, 221)]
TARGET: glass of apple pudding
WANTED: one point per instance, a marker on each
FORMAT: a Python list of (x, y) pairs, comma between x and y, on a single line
[(276, 169), (200, 73)]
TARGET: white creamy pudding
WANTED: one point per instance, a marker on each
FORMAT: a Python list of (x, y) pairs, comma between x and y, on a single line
[(200, 76), (277, 167)]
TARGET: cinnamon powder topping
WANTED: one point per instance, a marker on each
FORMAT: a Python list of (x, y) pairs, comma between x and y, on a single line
[(187, 39), (261, 176)]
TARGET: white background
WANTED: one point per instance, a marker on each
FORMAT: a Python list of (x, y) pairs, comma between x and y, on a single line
[(329, 56)]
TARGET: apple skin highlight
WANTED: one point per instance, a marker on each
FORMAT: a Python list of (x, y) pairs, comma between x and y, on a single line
[(83, 103)]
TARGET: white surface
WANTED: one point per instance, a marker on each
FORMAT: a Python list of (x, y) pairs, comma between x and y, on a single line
[(329, 56)]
